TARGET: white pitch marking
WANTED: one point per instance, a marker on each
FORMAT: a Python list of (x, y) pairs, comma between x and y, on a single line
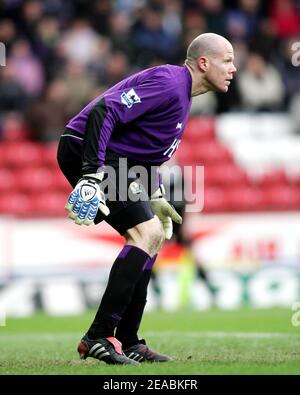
[(191, 334)]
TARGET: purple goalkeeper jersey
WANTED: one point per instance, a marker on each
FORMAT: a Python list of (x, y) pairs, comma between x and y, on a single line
[(141, 117)]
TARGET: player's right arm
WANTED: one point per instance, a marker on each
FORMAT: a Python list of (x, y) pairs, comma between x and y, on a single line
[(116, 106)]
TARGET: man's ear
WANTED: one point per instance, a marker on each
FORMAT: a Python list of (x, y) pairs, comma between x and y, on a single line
[(203, 62)]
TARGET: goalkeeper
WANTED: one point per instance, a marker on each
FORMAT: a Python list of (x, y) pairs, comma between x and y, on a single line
[(141, 120)]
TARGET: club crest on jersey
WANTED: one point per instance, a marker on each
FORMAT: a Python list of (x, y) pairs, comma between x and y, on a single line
[(130, 98)]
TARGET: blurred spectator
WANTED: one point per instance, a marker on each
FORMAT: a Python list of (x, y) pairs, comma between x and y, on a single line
[(31, 14), (151, 39), (7, 33), (61, 10), (45, 45), (47, 118), (12, 94), (214, 16), (117, 68), (171, 20), (77, 87), (28, 70), (194, 21), (240, 54), (98, 66), (260, 85), (99, 16), (127, 6), (80, 43), (120, 34), (265, 41), (242, 23), (285, 17)]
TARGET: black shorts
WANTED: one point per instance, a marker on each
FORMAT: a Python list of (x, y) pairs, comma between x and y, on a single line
[(125, 212)]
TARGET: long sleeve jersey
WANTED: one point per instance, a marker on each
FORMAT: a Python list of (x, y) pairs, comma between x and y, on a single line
[(141, 118)]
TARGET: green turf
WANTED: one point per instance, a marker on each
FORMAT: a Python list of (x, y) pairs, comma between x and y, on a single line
[(245, 341)]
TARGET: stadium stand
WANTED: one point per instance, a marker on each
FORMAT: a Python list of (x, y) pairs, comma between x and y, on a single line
[(235, 180), (61, 54)]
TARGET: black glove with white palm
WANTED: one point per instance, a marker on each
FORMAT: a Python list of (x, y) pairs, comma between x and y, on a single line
[(85, 200), (164, 211)]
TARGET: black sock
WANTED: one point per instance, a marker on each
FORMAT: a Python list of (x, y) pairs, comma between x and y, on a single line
[(201, 273), (124, 275), (129, 325), (155, 283)]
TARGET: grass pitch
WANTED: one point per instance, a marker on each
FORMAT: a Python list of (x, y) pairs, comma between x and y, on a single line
[(217, 342)]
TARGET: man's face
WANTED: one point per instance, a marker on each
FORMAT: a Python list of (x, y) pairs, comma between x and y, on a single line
[(220, 69)]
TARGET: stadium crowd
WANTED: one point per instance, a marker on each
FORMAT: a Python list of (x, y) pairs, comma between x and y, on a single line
[(62, 53)]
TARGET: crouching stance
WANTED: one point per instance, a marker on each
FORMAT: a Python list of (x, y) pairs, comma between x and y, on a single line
[(141, 121)]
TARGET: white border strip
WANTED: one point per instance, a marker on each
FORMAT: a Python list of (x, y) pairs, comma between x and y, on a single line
[(241, 335), (71, 135)]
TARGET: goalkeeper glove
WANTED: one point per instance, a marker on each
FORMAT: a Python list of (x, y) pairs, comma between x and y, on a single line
[(165, 212), (86, 199)]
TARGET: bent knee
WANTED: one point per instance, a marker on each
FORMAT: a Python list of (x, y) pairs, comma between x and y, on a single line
[(148, 235)]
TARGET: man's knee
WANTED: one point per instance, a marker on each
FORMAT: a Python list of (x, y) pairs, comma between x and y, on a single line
[(148, 235), (156, 235)]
